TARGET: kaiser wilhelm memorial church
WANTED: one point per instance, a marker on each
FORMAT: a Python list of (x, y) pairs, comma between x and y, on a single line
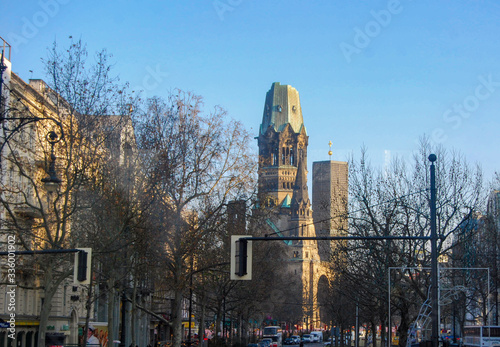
[(283, 189)]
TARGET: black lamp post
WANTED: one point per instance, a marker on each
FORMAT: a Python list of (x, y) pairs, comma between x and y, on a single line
[(51, 182), (3, 67)]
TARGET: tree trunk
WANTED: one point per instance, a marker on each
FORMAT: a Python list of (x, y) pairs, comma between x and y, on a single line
[(134, 312), (177, 318), (50, 288), (111, 309), (218, 321), (201, 327), (88, 306)]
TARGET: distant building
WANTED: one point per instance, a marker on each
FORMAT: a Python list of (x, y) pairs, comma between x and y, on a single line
[(493, 215), (493, 210), (330, 191), (475, 258)]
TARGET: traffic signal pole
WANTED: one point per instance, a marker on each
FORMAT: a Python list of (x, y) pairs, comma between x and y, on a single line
[(434, 260), (243, 261), (82, 260), (45, 251)]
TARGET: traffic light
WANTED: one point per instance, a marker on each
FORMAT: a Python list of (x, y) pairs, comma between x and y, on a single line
[(82, 268), (241, 258)]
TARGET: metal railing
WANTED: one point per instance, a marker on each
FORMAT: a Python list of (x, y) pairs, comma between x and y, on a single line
[(6, 48)]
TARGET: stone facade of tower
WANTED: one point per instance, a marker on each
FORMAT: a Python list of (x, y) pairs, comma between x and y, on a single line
[(283, 188), (329, 194), (282, 139)]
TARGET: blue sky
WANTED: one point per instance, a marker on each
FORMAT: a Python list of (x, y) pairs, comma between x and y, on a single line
[(378, 74)]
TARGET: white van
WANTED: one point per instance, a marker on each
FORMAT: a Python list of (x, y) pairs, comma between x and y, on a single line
[(316, 336)]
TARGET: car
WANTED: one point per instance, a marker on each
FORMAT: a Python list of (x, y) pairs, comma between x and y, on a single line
[(289, 341), (306, 338), (331, 341), (267, 342), (316, 336), (252, 345), (296, 339)]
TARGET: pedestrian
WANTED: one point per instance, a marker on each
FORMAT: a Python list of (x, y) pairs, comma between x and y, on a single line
[(92, 340)]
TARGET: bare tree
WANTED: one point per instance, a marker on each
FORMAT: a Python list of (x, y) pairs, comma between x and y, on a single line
[(394, 202), (194, 164), (59, 120)]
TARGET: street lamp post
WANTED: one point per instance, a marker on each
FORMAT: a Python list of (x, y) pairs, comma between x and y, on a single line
[(52, 181), (434, 260), (3, 67)]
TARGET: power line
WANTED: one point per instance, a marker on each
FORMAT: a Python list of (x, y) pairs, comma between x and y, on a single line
[(349, 213)]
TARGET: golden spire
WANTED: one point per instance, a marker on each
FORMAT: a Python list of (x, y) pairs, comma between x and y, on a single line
[(330, 151)]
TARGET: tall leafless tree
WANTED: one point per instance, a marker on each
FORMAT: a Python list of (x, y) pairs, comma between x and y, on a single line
[(64, 111), (194, 164), (395, 202)]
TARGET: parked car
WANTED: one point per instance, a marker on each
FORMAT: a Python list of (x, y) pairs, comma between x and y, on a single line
[(252, 345), (331, 341), (306, 338), (316, 336), (268, 342), (296, 339)]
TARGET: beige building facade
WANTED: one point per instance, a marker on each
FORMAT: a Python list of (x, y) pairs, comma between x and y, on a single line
[(26, 122)]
